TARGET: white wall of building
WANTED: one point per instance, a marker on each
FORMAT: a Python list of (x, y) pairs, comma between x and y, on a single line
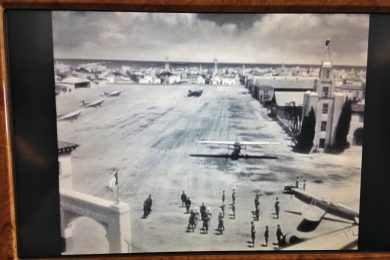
[(65, 170)]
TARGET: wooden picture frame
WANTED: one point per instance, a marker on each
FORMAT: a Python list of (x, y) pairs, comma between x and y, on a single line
[(7, 219)]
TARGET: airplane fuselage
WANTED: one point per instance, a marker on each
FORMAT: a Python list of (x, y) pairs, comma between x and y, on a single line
[(329, 207)]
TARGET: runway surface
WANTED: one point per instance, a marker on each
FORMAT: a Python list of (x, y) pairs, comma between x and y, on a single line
[(148, 134)]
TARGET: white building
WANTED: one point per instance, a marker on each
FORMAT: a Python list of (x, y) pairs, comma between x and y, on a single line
[(74, 82), (327, 105), (65, 150)]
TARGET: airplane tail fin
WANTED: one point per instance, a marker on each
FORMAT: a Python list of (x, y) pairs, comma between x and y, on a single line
[(308, 225)]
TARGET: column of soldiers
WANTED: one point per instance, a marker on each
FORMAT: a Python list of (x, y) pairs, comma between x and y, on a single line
[(281, 238), (205, 216)]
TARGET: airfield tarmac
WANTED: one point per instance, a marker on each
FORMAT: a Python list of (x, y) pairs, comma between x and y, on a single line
[(149, 132)]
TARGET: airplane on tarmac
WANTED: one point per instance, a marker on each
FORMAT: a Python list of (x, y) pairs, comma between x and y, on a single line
[(113, 93), (70, 116), (194, 93), (236, 147), (342, 238), (96, 103)]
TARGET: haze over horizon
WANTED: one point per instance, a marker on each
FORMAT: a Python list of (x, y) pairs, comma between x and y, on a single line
[(229, 38)]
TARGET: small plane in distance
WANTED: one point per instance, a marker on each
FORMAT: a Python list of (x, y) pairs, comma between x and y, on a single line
[(318, 208), (194, 93), (112, 93), (236, 147), (70, 116), (96, 103)]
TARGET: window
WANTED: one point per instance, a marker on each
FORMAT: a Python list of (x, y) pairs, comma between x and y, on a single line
[(322, 142), (323, 126), (325, 108), (325, 91), (327, 73)]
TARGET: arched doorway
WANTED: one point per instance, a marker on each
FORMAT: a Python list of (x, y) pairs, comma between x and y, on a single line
[(113, 217), (83, 228)]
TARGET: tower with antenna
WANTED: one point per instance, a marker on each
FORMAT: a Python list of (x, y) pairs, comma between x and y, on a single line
[(326, 103)]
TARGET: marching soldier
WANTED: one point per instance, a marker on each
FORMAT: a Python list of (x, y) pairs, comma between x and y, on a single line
[(202, 211), (147, 206), (257, 200), (266, 235), (206, 220), (223, 210), (253, 233), (221, 226), (183, 199), (277, 209), (233, 211), (188, 205), (192, 222), (279, 235), (257, 214)]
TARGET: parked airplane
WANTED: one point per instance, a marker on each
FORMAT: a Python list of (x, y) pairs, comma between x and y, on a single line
[(342, 238), (237, 147), (194, 93), (96, 103), (70, 116), (113, 93)]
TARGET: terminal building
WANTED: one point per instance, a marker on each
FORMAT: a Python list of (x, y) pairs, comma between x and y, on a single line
[(327, 105)]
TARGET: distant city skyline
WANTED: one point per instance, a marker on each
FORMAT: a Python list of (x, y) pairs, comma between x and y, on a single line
[(229, 38)]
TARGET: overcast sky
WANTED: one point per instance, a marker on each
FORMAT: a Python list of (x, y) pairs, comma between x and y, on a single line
[(246, 38)]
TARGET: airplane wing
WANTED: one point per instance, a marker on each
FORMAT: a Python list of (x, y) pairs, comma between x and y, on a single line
[(312, 216), (241, 143), (217, 142), (259, 143), (345, 238), (229, 156)]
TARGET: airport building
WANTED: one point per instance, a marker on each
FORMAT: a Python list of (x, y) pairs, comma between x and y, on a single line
[(327, 105)]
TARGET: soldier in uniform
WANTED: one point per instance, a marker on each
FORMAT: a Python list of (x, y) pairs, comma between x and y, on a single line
[(253, 233), (183, 199), (234, 197), (257, 214), (202, 211), (188, 205), (266, 235), (223, 210), (147, 206), (223, 197), (221, 226), (257, 200), (277, 209), (206, 220), (279, 235), (191, 222)]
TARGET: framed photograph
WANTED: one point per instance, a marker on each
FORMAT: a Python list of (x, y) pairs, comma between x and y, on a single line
[(175, 131)]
